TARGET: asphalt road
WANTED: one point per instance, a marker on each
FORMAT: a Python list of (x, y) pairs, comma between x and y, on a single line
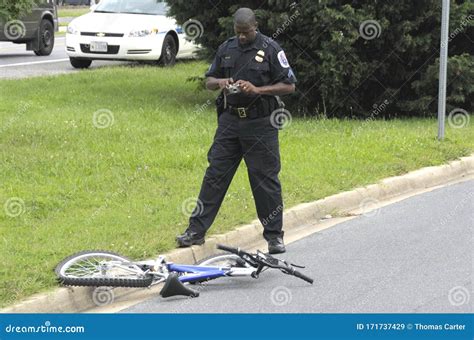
[(414, 256), (17, 62)]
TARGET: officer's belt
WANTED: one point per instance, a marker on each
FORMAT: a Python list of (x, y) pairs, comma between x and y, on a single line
[(256, 110)]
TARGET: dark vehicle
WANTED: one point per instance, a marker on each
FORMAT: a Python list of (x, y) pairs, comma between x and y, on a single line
[(76, 2), (35, 29)]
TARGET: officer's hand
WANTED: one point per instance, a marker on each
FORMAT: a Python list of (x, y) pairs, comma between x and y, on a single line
[(247, 87), (224, 82)]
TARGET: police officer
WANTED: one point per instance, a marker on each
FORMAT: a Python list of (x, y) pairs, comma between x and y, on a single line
[(257, 68)]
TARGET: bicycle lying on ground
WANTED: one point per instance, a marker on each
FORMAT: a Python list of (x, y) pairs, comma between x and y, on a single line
[(103, 268)]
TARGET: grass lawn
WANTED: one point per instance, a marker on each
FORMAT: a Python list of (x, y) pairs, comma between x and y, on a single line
[(72, 11), (80, 186)]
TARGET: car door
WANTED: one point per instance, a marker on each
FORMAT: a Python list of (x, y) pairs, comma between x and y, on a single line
[(19, 29), (186, 42), (32, 21)]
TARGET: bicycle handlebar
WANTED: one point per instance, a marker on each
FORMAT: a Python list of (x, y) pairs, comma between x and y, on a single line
[(302, 276), (228, 249), (287, 269)]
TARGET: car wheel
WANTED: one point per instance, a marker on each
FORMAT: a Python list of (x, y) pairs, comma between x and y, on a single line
[(80, 63), (168, 52), (46, 38)]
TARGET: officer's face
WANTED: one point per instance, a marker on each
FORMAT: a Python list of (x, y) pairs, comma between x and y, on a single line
[(245, 33)]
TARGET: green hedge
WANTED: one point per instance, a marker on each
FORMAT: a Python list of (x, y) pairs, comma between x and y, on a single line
[(357, 58), (13, 9)]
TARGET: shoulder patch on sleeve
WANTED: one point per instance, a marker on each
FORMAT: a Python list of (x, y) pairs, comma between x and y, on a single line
[(291, 75), (282, 59)]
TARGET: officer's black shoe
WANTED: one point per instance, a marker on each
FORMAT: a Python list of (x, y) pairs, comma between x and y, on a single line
[(189, 238), (276, 246)]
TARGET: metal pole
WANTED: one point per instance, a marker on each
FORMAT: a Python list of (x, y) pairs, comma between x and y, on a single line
[(443, 64)]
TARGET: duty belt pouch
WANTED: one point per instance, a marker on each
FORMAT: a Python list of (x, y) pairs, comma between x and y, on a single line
[(220, 104), (268, 104)]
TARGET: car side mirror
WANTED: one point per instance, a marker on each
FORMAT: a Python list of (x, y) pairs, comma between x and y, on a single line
[(93, 7)]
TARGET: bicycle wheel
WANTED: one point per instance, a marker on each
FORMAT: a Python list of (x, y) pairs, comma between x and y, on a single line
[(223, 260), (101, 268)]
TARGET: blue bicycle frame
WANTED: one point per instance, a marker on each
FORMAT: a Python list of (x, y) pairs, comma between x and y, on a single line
[(202, 273), (197, 273)]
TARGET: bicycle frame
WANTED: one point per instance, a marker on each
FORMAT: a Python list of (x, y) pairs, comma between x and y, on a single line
[(198, 273)]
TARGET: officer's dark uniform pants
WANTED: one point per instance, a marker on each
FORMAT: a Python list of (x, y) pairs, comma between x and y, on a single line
[(255, 140)]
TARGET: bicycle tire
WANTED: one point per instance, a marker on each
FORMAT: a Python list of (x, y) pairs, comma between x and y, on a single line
[(213, 260), (97, 281), (208, 261)]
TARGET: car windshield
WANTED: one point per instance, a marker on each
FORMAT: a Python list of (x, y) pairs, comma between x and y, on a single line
[(150, 7)]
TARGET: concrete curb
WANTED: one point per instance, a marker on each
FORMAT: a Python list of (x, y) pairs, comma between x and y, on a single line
[(79, 299)]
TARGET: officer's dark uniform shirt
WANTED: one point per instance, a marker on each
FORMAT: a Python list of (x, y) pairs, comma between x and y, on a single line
[(263, 62)]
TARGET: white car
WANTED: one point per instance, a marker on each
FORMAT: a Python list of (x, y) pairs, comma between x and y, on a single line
[(127, 30)]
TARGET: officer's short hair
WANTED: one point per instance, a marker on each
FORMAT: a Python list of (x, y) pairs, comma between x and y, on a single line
[(244, 16)]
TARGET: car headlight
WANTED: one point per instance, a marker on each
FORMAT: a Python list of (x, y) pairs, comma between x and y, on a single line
[(143, 33), (72, 30)]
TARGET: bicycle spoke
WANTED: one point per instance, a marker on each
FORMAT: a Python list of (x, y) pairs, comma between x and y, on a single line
[(102, 267)]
